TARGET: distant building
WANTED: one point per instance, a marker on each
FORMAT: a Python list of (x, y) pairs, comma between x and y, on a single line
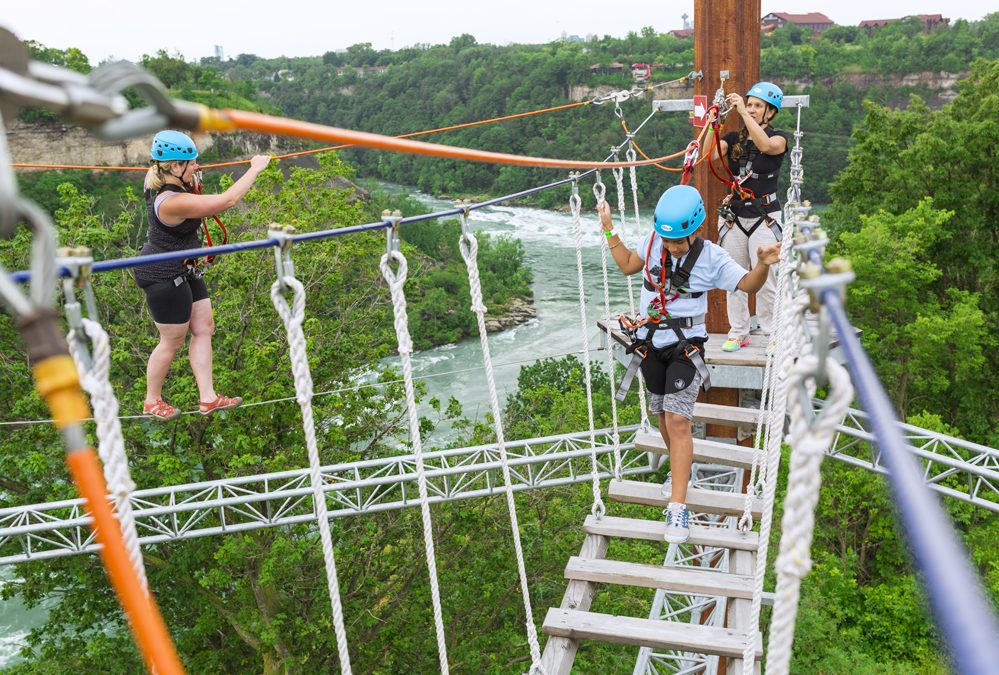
[(930, 21), (682, 33), (218, 53), (814, 21), (606, 69)]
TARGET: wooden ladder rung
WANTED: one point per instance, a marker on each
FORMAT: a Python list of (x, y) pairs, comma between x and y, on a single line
[(706, 452), (675, 579), (653, 530), (628, 630), (698, 500)]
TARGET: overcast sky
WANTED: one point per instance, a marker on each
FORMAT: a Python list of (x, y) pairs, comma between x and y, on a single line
[(126, 29)]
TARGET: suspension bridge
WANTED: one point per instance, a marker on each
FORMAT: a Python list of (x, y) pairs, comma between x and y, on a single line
[(713, 583)]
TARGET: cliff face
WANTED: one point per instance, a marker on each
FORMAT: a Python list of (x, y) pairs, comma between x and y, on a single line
[(942, 84), (54, 143)]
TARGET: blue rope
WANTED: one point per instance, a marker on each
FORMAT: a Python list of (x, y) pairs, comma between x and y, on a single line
[(959, 606)]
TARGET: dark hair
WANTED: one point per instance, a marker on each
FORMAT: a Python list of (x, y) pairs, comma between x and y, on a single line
[(735, 152)]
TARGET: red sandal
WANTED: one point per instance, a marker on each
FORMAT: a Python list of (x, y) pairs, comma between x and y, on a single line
[(220, 403), (160, 410)]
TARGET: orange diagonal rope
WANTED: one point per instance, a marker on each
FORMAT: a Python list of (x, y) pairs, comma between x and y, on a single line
[(453, 127), (232, 120), (316, 151)]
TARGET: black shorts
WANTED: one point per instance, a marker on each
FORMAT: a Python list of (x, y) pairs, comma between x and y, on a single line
[(654, 366), (170, 303)]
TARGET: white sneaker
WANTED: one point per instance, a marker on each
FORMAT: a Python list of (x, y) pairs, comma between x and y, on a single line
[(667, 488), (677, 523)]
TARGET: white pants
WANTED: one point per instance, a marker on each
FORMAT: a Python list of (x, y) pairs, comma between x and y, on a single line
[(743, 251)]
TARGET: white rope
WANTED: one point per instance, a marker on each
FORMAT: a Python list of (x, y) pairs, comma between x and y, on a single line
[(396, 282), (469, 247), (575, 204), (619, 178), (293, 320), (110, 442), (787, 342), (599, 191), (809, 442)]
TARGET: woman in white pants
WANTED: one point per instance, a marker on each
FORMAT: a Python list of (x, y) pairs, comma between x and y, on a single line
[(754, 156)]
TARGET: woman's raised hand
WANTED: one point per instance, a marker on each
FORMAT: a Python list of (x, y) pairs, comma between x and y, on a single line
[(259, 162)]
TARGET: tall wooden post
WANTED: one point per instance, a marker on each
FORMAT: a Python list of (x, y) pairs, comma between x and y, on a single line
[(726, 37)]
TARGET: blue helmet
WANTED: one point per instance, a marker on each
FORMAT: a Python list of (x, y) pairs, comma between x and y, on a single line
[(679, 213), (767, 92), (171, 145)]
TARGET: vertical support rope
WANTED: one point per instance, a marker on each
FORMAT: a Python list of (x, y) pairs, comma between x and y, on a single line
[(788, 341), (619, 177), (469, 247), (809, 441), (575, 203), (397, 282), (599, 191), (293, 320), (95, 380)]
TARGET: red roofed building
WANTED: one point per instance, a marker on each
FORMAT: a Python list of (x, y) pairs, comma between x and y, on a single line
[(682, 33), (929, 21), (814, 21)]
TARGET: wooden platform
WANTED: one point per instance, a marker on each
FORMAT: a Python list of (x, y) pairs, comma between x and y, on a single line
[(572, 621)]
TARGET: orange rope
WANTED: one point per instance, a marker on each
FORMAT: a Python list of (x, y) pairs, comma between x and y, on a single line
[(660, 166), (231, 120), (220, 165)]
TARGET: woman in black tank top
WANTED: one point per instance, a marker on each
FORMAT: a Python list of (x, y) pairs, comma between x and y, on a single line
[(178, 300), (754, 155)]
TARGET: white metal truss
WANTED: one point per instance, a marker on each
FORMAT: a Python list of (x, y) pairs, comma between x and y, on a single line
[(696, 609), (58, 529), (953, 467), (958, 469)]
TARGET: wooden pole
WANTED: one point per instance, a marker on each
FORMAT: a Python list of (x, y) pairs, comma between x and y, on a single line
[(726, 37)]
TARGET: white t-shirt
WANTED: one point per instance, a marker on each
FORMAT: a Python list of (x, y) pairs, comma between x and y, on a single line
[(714, 269)]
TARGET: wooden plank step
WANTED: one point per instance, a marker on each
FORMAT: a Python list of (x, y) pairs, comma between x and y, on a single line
[(676, 579), (647, 633), (698, 501), (706, 452), (725, 415), (653, 530)]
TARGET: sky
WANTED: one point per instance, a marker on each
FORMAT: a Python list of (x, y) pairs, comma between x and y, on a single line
[(126, 29)]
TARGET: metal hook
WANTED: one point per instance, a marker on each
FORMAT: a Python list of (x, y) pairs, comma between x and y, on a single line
[(392, 233), (284, 235)]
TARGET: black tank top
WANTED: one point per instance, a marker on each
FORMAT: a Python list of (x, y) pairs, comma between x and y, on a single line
[(164, 239)]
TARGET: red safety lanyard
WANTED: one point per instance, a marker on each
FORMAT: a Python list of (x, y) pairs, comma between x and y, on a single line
[(197, 189), (663, 262)]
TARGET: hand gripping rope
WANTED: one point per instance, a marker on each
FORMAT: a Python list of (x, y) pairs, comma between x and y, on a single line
[(397, 283), (599, 191), (577, 233), (293, 317), (94, 368), (59, 385), (469, 247)]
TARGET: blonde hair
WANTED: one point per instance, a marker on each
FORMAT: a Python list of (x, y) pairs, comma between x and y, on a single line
[(156, 176)]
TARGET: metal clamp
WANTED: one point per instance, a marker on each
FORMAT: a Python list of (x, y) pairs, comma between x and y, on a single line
[(284, 235), (392, 233)]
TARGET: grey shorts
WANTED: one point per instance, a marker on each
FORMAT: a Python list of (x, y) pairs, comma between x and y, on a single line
[(680, 403)]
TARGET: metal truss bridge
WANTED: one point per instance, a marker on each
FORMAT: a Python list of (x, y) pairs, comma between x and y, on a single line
[(953, 467)]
